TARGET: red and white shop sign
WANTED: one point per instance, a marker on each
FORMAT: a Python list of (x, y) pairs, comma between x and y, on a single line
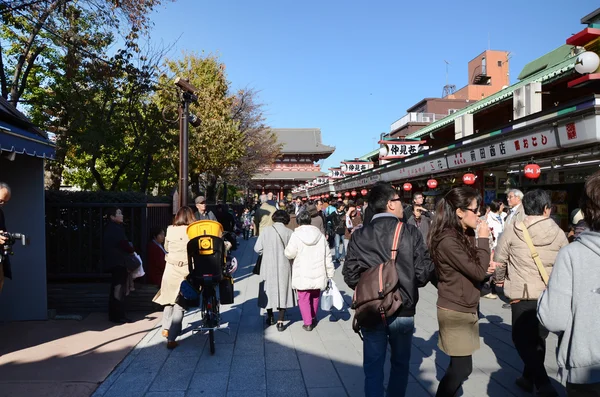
[(416, 169), (537, 142), (580, 132)]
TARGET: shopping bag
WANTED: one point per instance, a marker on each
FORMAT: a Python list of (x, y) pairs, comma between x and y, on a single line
[(337, 298), (327, 300), (139, 271)]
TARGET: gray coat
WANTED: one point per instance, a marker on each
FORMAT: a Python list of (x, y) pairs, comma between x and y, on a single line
[(423, 226), (276, 269)]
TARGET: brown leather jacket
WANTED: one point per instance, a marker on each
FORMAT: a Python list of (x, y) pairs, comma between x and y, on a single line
[(459, 278)]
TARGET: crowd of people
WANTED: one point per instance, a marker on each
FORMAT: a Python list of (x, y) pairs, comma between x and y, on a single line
[(550, 278)]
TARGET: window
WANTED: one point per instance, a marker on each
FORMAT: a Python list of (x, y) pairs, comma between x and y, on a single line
[(499, 63), (450, 111)]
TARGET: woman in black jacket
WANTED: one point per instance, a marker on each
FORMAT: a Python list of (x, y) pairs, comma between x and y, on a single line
[(115, 249)]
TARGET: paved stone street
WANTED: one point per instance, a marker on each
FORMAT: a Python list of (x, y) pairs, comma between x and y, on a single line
[(258, 361)]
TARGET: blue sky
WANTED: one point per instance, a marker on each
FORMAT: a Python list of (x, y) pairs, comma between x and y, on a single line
[(351, 67)]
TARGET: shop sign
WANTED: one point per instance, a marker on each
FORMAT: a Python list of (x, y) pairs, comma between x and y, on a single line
[(580, 132), (355, 167), (540, 141), (335, 173), (416, 170), (359, 182), (398, 149)]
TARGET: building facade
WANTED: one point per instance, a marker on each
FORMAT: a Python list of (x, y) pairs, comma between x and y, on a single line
[(302, 149)]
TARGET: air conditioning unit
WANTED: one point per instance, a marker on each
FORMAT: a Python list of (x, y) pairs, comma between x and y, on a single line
[(527, 100), (451, 111)]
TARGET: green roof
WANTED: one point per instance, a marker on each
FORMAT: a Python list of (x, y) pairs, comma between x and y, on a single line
[(545, 61), (547, 74), (369, 155)]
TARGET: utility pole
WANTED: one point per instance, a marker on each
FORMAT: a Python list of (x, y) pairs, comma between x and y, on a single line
[(188, 96)]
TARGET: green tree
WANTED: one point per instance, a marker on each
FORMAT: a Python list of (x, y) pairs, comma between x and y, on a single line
[(218, 144)]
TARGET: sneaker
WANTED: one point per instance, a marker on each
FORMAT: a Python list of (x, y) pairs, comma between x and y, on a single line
[(165, 333), (308, 327), (490, 296), (506, 306), (172, 344), (524, 384)]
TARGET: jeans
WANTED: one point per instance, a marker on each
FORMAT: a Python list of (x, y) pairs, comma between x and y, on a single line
[(375, 342), (308, 301), (529, 337), (339, 242)]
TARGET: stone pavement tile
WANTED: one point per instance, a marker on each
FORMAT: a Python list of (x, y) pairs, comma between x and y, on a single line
[(278, 357), (209, 384), (427, 374), (150, 359), (219, 362), (480, 384), (227, 336), (247, 393), (251, 324), (190, 345), (327, 392), (414, 389), (285, 383), (272, 335), (318, 371), (165, 394), (247, 373), (231, 315), (175, 374), (249, 344), (131, 384), (329, 330), (114, 375)]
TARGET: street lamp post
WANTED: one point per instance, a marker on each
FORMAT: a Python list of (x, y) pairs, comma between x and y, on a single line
[(188, 96)]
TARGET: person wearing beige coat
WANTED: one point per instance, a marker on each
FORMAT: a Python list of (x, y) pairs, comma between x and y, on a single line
[(176, 270), (523, 284)]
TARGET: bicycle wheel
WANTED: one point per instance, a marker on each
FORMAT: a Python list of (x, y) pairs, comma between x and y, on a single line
[(211, 340)]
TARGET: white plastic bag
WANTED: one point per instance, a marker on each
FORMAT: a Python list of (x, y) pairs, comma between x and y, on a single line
[(338, 299), (326, 299), (139, 272)]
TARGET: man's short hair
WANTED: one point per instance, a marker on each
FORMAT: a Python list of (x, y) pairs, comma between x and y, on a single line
[(536, 201), (379, 197), (417, 194), (4, 185), (200, 199), (263, 198), (299, 198), (281, 216), (516, 192), (303, 218)]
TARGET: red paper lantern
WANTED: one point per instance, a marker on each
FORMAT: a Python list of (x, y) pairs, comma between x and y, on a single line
[(347, 194), (532, 171), (354, 193), (432, 183), (469, 179), (364, 192), (407, 187), (339, 195)]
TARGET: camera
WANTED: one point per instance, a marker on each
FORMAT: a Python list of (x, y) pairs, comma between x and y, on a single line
[(11, 239)]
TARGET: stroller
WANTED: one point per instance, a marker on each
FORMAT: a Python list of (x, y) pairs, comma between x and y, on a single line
[(209, 282)]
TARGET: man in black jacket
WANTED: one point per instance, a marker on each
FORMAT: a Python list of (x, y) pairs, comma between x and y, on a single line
[(370, 246)]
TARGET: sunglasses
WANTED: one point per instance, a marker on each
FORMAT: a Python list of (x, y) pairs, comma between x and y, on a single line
[(475, 211), (204, 202), (396, 199)]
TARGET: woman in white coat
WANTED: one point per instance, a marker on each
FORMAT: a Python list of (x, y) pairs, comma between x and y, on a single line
[(176, 271), (312, 267)]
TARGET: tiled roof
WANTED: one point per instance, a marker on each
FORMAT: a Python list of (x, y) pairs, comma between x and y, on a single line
[(547, 74), (301, 140), (11, 115), (289, 175)]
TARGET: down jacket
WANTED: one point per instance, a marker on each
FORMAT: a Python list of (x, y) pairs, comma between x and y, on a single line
[(522, 279), (312, 265)]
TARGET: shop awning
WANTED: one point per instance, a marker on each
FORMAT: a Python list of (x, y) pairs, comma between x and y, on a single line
[(21, 141)]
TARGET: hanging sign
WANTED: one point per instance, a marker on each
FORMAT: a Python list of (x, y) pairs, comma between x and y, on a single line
[(335, 173), (355, 167), (398, 149)]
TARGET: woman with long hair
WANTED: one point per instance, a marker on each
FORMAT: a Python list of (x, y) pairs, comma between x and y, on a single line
[(461, 263), (176, 271)]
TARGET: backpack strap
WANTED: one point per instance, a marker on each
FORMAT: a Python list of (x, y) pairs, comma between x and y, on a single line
[(396, 240), (534, 254)]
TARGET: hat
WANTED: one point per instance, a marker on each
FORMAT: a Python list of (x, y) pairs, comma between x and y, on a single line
[(576, 216), (200, 200)]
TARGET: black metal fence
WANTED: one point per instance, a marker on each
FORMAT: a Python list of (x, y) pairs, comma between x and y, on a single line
[(74, 235)]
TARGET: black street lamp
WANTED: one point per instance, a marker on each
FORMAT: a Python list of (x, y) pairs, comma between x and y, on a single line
[(188, 96)]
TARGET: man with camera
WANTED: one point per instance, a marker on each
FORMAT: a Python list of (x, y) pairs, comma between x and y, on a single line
[(5, 270)]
